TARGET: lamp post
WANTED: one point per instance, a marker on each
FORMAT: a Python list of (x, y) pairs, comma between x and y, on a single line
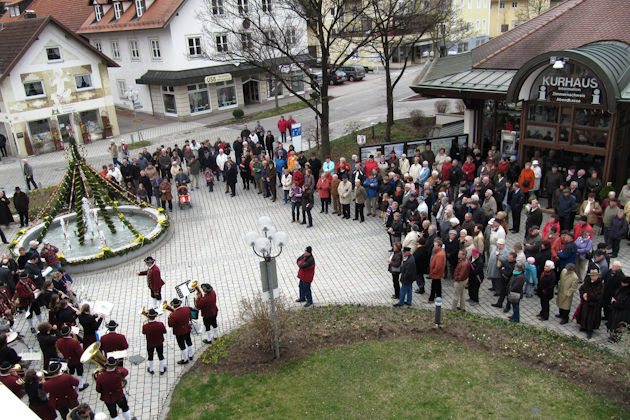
[(268, 243), (132, 96)]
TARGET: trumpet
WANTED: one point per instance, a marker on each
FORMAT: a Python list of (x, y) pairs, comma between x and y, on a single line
[(144, 312), (167, 307)]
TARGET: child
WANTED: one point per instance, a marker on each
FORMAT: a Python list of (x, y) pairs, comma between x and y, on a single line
[(384, 206), (531, 277), (209, 179)]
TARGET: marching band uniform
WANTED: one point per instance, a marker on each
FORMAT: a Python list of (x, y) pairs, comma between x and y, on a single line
[(71, 350), (154, 280), (60, 389), (154, 332), (25, 289), (112, 341), (207, 304), (179, 320), (10, 379), (109, 384)]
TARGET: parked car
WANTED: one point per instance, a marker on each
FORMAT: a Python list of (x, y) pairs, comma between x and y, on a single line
[(353, 72), (338, 77)]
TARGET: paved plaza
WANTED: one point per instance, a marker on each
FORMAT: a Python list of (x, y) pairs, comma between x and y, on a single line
[(207, 244)]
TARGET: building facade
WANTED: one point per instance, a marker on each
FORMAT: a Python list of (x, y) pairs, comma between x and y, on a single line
[(53, 86), (172, 63), (561, 92)]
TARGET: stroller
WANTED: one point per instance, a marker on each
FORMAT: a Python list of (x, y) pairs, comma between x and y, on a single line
[(184, 198)]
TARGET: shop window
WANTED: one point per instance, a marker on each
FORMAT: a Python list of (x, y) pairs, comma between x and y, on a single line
[(217, 8), (194, 46), (168, 96), (540, 132), (226, 93), (542, 113), (115, 50), (590, 138), (297, 82), (198, 98), (593, 118), (565, 115), (117, 10), (34, 89), (53, 54), (40, 135), (91, 123), (274, 88), (83, 81)]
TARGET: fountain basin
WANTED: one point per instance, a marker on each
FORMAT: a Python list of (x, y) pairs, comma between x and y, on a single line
[(100, 252)]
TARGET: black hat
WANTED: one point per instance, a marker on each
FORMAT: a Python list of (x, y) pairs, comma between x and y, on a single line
[(309, 249), (111, 362), (175, 303), (206, 287), (600, 252), (152, 313), (111, 325), (65, 330), (583, 219), (149, 259), (5, 366), (53, 369), (406, 249), (23, 275)]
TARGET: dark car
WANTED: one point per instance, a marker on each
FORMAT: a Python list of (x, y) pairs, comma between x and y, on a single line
[(353, 72), (338, 77)]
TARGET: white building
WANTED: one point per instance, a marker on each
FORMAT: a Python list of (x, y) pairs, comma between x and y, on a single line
[(166, 59), (53, 86)]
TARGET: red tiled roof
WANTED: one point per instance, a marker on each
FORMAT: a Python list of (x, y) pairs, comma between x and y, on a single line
[(571, 24), (156, 16), (72, 14)]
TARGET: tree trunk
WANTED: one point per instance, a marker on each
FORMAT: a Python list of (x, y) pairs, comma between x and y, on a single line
[(389, 98), (325, 120)]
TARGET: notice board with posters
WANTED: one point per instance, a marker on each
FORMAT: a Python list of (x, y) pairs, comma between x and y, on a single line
[(410, 147)]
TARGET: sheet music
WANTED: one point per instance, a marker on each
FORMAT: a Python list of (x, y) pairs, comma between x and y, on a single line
[(75, 330), (121, 354), (46, 271), (102, 307), (30, 356), (183, 290)]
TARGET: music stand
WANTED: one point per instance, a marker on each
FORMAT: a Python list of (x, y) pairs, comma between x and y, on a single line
[(183, 291)]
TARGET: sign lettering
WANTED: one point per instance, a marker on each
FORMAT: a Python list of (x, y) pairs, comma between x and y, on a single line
[(217, 78)]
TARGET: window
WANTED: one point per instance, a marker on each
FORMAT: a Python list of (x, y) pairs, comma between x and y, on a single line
[(246, 41), (226, 94), (484, 24), (291, 36), (478, 4), (222, 44), (266, 6), (83, 81), (53, 53), (477, 26), (140, 8), (470, 4), (122, 89), (274, 88), (117, 10), (243, 6), (505, 28), (98, 45), (198, 98), (133, 50), (270, 38), (217, 8), (194, 46), (34, 89), (514, 4), (14, 11), (501, 5), (115, 50), (98, 12), (468, 26), (485, 3), (168, 96), (297, 82), (155, 49)]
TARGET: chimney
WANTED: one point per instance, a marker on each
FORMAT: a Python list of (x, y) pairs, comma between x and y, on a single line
[(29, 14)]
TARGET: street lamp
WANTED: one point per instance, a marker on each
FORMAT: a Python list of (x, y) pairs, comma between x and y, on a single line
[(132, 96), (264, 243)]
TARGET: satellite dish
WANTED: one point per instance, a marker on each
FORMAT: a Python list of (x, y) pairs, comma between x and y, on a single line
[(246, 23)]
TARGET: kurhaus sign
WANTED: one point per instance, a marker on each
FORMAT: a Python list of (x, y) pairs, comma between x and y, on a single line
[(573, 84)]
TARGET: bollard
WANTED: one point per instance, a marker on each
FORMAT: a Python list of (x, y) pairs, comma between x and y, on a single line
[(438, 312)]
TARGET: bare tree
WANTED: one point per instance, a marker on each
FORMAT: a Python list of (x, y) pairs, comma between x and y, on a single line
[(449, 30), (270, 35), (398, 26), (531, 8)]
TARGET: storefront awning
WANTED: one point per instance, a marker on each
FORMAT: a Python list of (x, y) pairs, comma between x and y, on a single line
[(473, 80)]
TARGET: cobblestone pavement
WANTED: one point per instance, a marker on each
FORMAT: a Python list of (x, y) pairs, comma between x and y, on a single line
[(207, 244)]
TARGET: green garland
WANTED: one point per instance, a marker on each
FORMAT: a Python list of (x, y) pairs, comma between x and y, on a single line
[(79, 193)]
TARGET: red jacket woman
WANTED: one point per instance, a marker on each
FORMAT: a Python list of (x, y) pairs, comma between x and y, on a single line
[(323, 187), (469, 169), (306, 264)]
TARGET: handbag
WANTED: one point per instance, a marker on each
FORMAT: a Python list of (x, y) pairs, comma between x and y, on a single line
[(514, 297)]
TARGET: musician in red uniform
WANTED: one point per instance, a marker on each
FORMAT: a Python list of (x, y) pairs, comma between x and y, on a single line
[(25, 290), (207, 304), (109, 384), (71, 350), (112, 341), (10, 379), (60, 389), (179, 321), (154, 280), (154, 332)]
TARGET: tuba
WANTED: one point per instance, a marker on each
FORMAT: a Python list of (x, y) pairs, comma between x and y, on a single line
[(167, 307), (95, 355), (144, 312)]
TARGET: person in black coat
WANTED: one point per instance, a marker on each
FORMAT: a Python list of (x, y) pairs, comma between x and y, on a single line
[(516, 205), (231, 175), (6, 217), (316, 165), (394, 267), (422, 257), (90, 324), (7, 354), (20, 201), (534, 216), (545, 290), (507, 269), (475, 277), (612, 282), (407, 277), (619, 309), (589, 313), (47, 338), (269, 142)]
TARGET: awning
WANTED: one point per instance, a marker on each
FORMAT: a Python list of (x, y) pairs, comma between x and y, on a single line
[(474, 80)]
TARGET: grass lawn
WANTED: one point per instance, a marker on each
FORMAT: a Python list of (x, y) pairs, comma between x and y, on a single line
[(346, 146), (283, 109), (430, 377)]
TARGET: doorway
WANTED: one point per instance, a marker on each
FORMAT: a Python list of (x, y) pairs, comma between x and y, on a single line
[(65, 127), (251, 92)]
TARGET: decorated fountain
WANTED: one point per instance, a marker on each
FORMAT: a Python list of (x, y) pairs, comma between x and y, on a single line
[(91, 219)]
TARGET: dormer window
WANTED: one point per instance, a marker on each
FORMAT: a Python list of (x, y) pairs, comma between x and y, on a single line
[(140, 8), (117, 10), (98, 12), (14, 11), (53, 54)]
